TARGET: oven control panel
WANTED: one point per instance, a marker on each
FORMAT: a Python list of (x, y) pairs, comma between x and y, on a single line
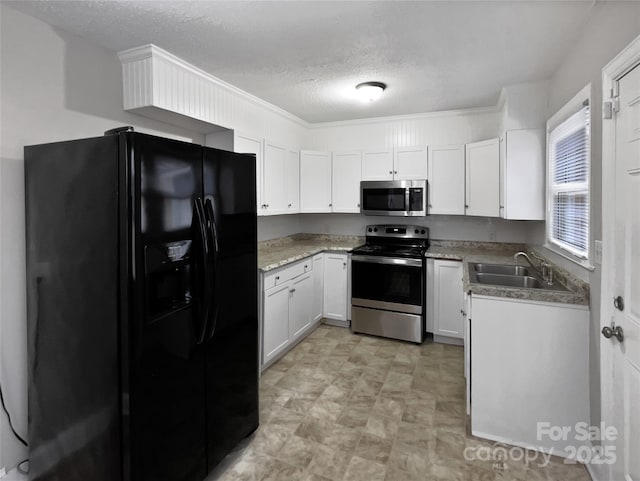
[(398, 231)]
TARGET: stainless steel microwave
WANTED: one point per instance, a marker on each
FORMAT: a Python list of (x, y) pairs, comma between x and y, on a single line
[(394, 197)]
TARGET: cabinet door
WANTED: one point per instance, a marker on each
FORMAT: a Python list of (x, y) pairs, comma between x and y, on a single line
[(483, 178), (292, 187), (246, 145), (410, 163), (335, 286), (300, 305), (275, 331), (377, 165), (446, 180), (274, 197), (346, 172), (318, 287), (448, 299), (315, 181), (522, 174)]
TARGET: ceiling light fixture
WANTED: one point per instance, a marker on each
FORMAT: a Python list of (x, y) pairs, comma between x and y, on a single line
[(370, 91)]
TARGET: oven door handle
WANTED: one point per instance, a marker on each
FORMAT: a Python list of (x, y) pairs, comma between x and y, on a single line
[(387, 260)]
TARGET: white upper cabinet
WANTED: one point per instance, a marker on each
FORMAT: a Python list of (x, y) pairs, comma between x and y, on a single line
[(522, 180), (402, 163), (377, 164), (315, 181), (243, 144), (274, 196), (292, 182), (446, 179), (483, 178), (346, 173), (410, 163)]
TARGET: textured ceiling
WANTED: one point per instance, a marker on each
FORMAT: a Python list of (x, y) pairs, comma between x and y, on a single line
[(306, 57)]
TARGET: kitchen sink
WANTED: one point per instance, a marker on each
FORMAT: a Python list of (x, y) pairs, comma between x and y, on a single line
[(509, 280), (501, 269), (509, 276)]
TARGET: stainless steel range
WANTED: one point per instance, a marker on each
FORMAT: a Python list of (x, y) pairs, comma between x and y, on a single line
[(389, 282)]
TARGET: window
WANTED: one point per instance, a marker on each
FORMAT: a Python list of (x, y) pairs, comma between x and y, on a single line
[(568, 212)]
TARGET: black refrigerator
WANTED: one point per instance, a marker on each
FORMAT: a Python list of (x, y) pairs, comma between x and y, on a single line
[(142, 307)]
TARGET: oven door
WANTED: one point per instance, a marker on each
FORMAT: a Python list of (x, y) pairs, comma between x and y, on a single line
[(388, 283)]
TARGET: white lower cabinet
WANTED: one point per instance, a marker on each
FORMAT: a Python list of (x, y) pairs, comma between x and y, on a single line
[(275, 330), (336, 277), (287, 307), (448, 323), (296, 296), (529, 365), (300, 305)]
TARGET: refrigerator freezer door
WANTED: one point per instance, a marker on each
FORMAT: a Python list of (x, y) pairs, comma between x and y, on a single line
[(166, 391), (232, 346)]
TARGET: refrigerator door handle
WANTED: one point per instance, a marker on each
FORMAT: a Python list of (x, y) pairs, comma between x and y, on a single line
[(204, 267), (215, 251)]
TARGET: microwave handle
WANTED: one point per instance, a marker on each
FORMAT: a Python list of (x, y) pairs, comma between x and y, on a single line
[(407, 199)]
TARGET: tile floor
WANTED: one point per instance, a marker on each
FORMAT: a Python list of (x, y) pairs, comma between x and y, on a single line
[(342, 406)]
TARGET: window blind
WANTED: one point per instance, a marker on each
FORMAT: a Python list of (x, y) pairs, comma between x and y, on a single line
[(569, 166)]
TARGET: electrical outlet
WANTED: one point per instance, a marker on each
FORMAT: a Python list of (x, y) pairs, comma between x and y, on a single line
[(597, 254)]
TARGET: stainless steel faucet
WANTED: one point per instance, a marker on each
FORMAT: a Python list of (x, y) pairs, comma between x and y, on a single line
[(544, 269)]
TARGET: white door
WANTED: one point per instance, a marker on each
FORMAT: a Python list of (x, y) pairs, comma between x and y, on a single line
[(315, 181), (483, 178), (292, 187), (625, 356), (446, 180), (346, 172), (318, 287), (335, 286), (410, 163), (300, 305), (377, 165), (274, 195), (246, 145), (448, 299), (276, 321)]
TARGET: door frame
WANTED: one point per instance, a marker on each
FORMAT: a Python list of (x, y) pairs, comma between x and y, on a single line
[(621, 64)]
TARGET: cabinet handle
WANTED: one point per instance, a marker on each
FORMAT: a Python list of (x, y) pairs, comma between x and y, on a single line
[(330, 205), (306, 266), (430, 206), (292, 291), (391, 171), (358, 205), (344, 264), (289, 205), (466, 206), (277, 278), (395, 171)]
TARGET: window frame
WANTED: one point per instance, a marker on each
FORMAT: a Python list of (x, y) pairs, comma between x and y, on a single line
[(568, 110)]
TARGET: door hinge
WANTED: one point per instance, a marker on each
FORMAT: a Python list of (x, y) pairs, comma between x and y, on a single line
[(610, 107)]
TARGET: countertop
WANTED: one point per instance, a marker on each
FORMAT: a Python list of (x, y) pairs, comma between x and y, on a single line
[(502, 253), (284, 250)]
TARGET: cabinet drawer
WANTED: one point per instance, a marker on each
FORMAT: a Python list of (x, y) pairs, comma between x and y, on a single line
[(287, 273)]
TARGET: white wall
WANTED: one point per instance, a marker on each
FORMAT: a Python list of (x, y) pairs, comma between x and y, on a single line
[(439, 128), (611, 27)]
